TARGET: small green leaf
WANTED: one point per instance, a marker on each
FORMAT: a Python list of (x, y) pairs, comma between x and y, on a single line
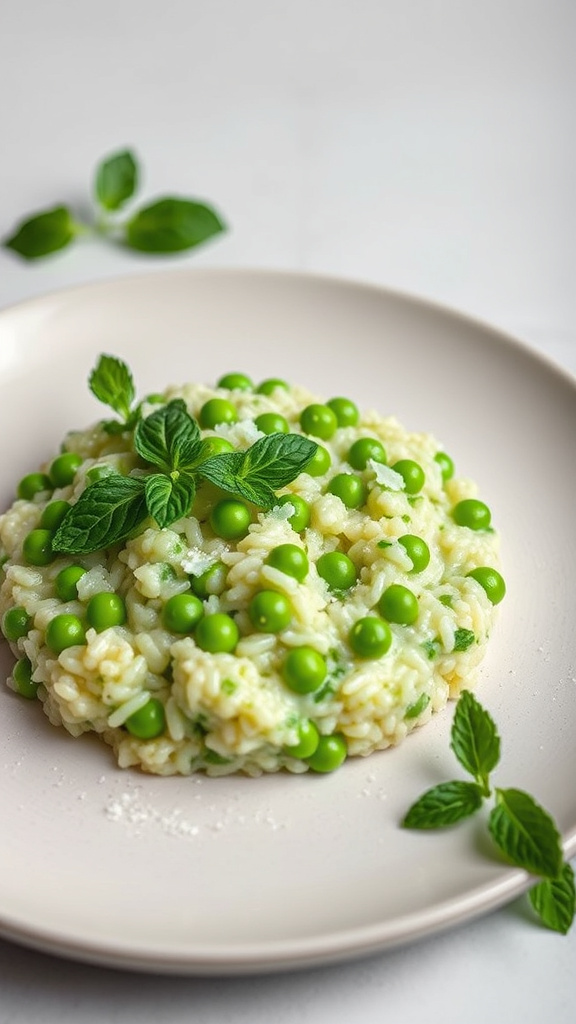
[(111, 383), (463, 639), (554, 900), (105, 513), (168, 438), (474, 738), (169, 498), (525, 833), (226, 472), (277, 459), (172, 225), (116, 180), (270, 463), (444, 805), (43, 234)]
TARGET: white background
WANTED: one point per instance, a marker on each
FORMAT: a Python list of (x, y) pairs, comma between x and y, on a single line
[(421, 144)]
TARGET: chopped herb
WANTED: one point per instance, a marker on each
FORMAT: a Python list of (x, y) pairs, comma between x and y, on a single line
[(416, 709), (463, 639), (431, 647)]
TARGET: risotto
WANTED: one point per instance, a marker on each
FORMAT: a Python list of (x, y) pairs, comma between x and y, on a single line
[(245, 578)]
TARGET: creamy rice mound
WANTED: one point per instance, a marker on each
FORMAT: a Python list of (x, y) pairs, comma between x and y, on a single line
[(236, 710)]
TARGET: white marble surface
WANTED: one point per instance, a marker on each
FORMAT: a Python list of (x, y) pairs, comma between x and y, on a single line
[(426, 145)]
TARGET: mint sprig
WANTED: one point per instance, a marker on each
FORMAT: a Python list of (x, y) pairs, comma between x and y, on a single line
[(176, 459), (167, 225), (521, 829)]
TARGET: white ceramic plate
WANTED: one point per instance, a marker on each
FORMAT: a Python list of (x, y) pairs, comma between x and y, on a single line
[(237, 875)]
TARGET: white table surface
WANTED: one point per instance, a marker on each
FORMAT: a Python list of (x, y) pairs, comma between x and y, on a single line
[(426, 145)]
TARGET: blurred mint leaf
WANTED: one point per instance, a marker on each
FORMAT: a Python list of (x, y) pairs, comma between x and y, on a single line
[(116, 180), (554, 900), (171, 225), (43, 234)]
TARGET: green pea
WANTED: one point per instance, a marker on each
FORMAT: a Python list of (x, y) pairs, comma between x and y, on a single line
[(22, 676), (66, 582), (319, 421), (349, 488), (101, 472), (268, 386), (289, 559), (148, 722), (64, 631), (235, 382), (37, 547), (53, 514), (330, 753), (345, 411), (217, 633), (472, 513), (398, 604), (492, 582), (304, 669), (417, 550), (63, 469), (411, 473), (272, 423), (216, 446), (105, 610), (32, 484), (301, 516), (215, 411), (364, 449), (308, 739), (319, 463), (370, 637), (15, 623), (211, 581), (337, 569), (230, 519), (269, 611), (446, 465), (182, 612)]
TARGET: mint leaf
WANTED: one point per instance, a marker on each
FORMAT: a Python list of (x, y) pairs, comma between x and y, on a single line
[(168, 438), (474, 739), (554, 900), (105, 513), (278, 458), (444, 805), (43, 234), (525, 833), (111, 382), (270, 463), (116, 180), (172, 225), (169, 498), (225, 471), (463, 639)]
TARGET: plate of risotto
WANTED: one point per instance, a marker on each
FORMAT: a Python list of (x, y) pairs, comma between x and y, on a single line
[(258, 533)]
